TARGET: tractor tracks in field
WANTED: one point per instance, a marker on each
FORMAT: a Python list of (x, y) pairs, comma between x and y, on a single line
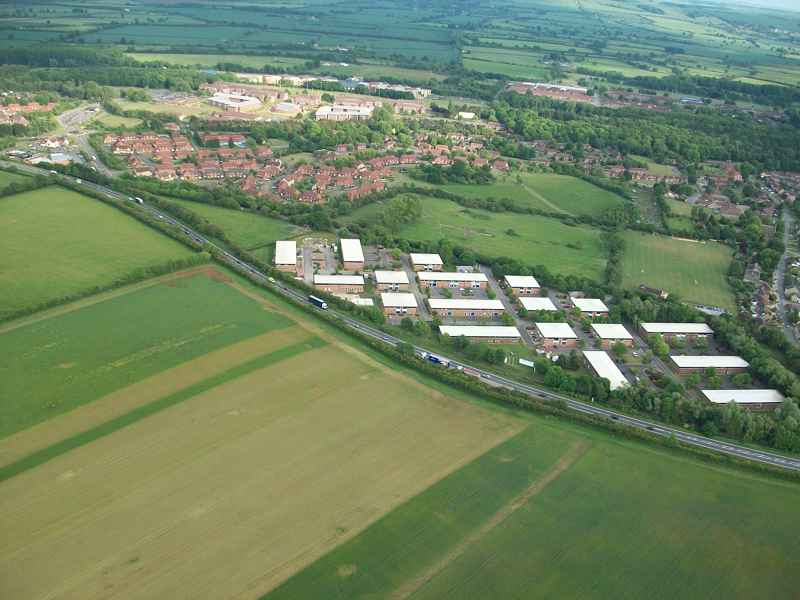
[(565, 462)]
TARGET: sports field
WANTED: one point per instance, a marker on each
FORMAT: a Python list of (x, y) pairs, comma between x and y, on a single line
[(253, 232), (545, 191), (243, 436), (559, 512), (80, 244), (531, 239), (694, 270)]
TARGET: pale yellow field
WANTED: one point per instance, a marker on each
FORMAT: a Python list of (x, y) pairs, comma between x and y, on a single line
[(229, 493)]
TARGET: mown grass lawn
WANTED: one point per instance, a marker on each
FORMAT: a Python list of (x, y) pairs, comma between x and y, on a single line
[(58, 243), (531, 239), (695, 271)]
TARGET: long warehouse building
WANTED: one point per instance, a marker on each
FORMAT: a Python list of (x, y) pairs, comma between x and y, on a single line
[(482, 333), (604, 367)]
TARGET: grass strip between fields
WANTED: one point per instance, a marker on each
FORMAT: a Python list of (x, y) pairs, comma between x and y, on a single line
[(85, 437)]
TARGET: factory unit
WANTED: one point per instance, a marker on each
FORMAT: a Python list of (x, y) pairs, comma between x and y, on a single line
[(537, 303), (391, 281), (352, 255), (399, 303), (756, 400), (523, 285), (426, 262), (590, 307), (552, 336), (677, 330), (722, 365), (483, 333), (465, 308), (438, 279), (286, 256), (603, 366), (340, 284), (610, 334)]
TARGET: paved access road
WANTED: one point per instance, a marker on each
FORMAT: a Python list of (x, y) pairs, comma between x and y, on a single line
[(692, 439)]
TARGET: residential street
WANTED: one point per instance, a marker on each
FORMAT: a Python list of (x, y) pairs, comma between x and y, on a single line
[(780, 272)]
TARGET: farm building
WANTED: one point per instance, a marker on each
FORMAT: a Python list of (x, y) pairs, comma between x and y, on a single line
[(535, 303), (438, 279), (399, 303), (482, 333), (749, 399), (556, 335), (610, 334), (602, 366), (723, 365), (523, 285), (340, 284), (677, 330), (592, 307), (426, 262), (352, 254), (391, 281), (286, 256), (465, 308)]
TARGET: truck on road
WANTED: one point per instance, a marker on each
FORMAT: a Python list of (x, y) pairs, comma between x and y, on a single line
[(318, 302)]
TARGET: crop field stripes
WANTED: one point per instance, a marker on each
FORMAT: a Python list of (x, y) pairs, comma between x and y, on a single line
[(85, 437), (575, 451)]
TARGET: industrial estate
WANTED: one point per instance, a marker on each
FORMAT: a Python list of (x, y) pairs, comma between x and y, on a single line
[(399, 300)]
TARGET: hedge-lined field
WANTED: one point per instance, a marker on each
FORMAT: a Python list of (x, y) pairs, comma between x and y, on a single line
[(58, 243), (532, 239)]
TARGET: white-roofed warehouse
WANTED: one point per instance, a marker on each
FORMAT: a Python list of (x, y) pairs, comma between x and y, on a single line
[(399, 303), (604, 367), (352, 254), (750, 399), (466, 308), (286, 255), (483, 333), (721, 364)]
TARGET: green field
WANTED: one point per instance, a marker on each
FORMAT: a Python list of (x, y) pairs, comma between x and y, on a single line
[(253, 232), (110, 120), (54, 365), (59, 243), (558, 512), (531, 239), (694, 270), (544, 191), (6, 178)]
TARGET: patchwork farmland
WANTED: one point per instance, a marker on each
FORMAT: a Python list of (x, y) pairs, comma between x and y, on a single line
[(238, 428)]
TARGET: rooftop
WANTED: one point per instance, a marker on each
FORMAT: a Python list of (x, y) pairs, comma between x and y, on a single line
[(426, 259), (398, 300), (615, 331), (679, 328), (351, 250), (537, 303), (391, 277), (286, 252), (338, 280), (604, 367), (465, 303), (589, 304), (487, 331), (743, 396), (556, 330), (522, 281), (704, 362), (440, 276)]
